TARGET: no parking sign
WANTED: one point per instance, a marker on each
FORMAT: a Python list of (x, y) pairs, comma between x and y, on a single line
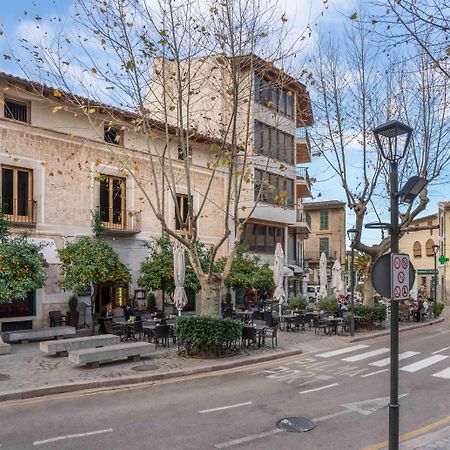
[(399, 276)]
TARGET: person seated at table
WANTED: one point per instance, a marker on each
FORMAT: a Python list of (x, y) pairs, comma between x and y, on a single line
[(129, 311), (106, 313)]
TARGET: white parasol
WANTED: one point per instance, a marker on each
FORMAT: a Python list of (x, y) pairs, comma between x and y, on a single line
[(278, 276), (179, 271)]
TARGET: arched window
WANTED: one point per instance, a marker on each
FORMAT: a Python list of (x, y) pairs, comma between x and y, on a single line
[(429, 247), (417, 250)]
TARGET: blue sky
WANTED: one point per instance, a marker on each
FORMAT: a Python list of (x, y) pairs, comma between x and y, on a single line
[(18, 17)]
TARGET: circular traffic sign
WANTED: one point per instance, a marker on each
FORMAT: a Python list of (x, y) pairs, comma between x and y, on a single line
[(401, 277), (404, 262), (397, 292), (405, 291), (397, 262)]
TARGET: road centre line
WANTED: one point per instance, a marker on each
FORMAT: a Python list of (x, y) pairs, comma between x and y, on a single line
[(423, 363), (387, 361), (72, 436), (367, 355), (373, 373), (341, 351), (441, 350), (252, 437), (221, 408), (319, 388)]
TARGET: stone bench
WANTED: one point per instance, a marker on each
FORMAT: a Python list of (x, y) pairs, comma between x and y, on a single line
[(42, 334), (92, 357), (61, 348)]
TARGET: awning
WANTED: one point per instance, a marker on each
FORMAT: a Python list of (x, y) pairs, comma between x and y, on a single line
[(296, 269), (287, 271)]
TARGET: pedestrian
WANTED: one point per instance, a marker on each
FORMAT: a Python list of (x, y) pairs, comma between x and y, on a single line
[(419, 310), (425, 307), (105, 315)]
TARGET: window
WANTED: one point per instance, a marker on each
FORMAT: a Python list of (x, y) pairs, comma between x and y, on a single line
[(16, 110), (324, 220), (182, 221), (276, 189), (275, 98), (417, 250), (324, 246), (112, 202), (112, 135), (261, 238), (429, 247), (257, 88), (16, 194), (273, 143)]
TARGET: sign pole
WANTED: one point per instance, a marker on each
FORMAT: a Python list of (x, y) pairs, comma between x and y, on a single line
[(394, 407)]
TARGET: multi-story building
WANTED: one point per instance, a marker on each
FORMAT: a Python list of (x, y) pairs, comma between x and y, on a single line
[(272, 115), (443, 287), (418, 243), (327, 235), (56, 168)]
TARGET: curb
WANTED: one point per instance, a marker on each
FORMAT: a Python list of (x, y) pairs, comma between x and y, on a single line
[(401, 330), (130, 380)]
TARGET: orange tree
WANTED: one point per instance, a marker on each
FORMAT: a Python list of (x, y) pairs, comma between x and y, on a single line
[(22, 265)]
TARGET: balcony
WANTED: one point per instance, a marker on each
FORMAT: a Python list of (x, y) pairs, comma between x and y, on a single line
[(313, 257), (19, 213), (302, 146), (302, 224), (303, 183), (120, 222)]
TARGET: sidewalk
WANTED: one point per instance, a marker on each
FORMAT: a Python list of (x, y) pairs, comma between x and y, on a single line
[(26, 372)]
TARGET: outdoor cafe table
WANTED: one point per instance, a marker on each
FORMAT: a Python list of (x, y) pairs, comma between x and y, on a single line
[(259, 332), (288, 319), (333, 323)]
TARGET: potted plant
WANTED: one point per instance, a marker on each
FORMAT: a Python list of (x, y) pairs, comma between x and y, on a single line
[(73, 315), (151, 302)]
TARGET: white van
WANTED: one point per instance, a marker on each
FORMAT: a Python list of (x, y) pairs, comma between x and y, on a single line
[(312, 292)]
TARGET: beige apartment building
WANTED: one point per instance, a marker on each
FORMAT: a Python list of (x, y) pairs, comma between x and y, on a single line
[(443, 287), (56, 168), (328, 234), (418, 244), (273, 113)]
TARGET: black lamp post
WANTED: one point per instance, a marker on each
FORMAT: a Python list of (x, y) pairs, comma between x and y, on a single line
[(352, 234), (435, 277), (392, 139)]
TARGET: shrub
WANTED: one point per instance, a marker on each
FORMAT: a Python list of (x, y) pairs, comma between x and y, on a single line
[(328, 303), (437, 309), (378, 313), (299, 302), (206, 336), (151, 300), (73, 303), (362, 310)]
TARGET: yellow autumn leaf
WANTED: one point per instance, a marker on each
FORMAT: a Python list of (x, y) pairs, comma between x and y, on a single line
[(57, 93), (56, 108)]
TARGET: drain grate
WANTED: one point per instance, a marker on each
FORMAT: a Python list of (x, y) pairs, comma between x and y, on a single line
[(295, 424), (145, 367), (4, 377)]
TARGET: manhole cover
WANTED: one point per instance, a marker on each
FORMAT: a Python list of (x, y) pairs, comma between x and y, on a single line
[(4, 377), (295, 424), (145, 367)]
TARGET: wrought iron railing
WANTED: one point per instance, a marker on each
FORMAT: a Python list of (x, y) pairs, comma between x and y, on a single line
[(315, 255), (120, 219), (303, 216)]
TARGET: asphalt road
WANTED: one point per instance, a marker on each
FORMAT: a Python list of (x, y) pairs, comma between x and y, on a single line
[(344, 393)]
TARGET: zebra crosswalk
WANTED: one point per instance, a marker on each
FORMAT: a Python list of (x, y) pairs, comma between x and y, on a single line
[(416, 361)]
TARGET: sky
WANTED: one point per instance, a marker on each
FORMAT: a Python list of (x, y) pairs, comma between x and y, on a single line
[(18, 20)]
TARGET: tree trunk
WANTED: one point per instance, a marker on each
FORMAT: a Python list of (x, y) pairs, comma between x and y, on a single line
[(368, 288), (210, 298)]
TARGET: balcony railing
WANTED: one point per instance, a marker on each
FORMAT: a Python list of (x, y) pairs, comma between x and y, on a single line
[(315, 255), (302, 174), (303, 216), (120, 220), (18, 211)]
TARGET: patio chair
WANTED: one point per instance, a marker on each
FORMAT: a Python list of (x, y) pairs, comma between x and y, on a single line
[(118, 329), (299, 322), (346, 324), (162, 332), (271, 333), (135, 329), (319, 324), (56, 318), (249, 336), (275, 318)]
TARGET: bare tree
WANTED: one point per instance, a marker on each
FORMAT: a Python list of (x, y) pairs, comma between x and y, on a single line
[(357, 89), (152, 59)]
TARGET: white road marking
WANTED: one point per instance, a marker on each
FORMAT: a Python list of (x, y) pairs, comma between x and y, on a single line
[(237, 405), (366, 355), (387, 361), (72, 436), (341, 351), (331, 416), (319, 388), (374, 373), (443, 373), (423, 363), (252, 437), (441, 350)]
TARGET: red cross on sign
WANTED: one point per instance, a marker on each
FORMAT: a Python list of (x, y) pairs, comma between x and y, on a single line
[(400, 276)]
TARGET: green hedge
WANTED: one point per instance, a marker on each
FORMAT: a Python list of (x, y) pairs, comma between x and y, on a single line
[(206, 336), (329, 304), (437, 309), (376, 313), (299, 302)]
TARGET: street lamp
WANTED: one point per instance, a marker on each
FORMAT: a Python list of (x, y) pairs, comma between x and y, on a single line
[(352, 234), (392, 139), (435, 248)]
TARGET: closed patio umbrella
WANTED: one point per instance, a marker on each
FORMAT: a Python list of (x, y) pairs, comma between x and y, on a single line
[(337, 285), (179, 270), (278, 276), (323, 276)]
